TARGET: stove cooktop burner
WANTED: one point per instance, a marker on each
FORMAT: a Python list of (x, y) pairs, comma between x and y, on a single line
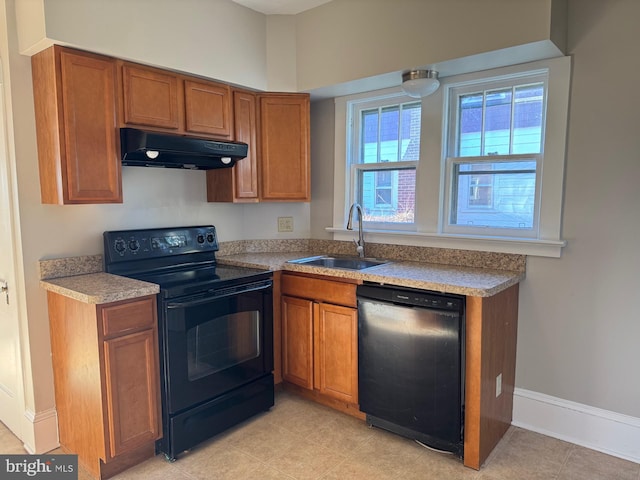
[(179, 259)]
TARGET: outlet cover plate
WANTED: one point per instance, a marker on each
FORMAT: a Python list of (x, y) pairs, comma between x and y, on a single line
[(285, 224)]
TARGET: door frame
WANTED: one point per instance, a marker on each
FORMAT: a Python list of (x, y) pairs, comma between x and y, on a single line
[(8, 194)]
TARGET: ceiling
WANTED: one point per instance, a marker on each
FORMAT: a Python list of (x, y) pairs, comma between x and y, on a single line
[(281, 7)]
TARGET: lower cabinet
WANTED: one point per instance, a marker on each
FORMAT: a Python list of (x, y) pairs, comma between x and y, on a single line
[(320, 337), (107, 383)]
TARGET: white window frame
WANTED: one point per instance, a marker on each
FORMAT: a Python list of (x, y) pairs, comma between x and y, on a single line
[(355, 107), (431, 172), (454, 92)]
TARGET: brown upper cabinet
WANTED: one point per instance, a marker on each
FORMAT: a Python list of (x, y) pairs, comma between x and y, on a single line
[(240, 183), (284, 147), (150, 97), (164, 100), (276, 127), (82, 99), (75, 109)]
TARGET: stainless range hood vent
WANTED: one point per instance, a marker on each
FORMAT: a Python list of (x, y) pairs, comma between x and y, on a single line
[(152, 149)]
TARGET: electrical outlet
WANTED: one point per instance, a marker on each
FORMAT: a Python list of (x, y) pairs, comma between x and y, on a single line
[(285, 224), (498, 385)]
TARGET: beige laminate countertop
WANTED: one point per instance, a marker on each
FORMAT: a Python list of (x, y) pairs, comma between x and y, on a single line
[(99, 287), (476, 282)]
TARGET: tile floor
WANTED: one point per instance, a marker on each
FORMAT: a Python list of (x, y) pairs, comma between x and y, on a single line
[(298, 439)]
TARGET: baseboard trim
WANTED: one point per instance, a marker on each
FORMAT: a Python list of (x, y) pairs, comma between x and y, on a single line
[(602, 430), (42, 433)]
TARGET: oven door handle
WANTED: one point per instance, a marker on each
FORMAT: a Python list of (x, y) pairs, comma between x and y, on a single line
[(221, 293)]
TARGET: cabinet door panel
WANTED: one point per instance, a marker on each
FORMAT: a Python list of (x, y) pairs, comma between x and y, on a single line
[(337, 353), (208, 108), (122, 318), (132, 391), (284, 147), (150, 97), (245, 122), (91, 164), (297, 345)]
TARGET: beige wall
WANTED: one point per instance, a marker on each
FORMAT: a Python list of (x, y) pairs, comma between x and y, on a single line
[(346, 40), (579, 329)]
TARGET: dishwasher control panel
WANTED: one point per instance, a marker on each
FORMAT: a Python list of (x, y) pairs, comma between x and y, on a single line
[(418, 298)]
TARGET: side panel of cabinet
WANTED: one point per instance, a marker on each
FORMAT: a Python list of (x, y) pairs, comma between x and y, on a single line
[(284, 147), (132, 395), (297, 345), (208, 108), (337, 352), (151, 97), (75, 104)]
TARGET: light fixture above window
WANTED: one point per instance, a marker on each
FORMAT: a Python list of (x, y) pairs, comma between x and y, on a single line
[(420, 83)]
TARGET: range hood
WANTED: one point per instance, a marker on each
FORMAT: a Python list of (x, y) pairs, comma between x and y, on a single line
[(152, 149)]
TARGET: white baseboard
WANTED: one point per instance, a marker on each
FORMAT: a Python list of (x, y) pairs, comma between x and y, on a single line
[(602, 430), (41, 432)]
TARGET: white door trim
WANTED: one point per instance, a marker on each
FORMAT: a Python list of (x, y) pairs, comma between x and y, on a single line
[(8, 192)]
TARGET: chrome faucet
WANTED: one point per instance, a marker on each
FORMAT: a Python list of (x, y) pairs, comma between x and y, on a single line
[(360, 242)]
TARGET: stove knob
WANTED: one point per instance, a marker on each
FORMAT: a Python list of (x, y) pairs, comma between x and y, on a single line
[(120, 246), (134, 245), (210, 237), (200, 238)]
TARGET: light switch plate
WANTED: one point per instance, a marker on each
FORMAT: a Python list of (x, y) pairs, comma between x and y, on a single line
[(285, 224)]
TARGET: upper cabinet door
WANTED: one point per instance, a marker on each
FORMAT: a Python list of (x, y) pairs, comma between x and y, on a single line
[(75, 106), (208, 108), (151, 97), (284, 147)]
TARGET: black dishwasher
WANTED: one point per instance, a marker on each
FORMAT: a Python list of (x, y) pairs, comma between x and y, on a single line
[(411, 363)]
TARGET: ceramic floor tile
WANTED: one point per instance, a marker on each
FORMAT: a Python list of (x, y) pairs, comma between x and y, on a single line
[(217, 461), (305, 460), (156, 468), (435, 466), (386, 452), (261, 440), (584, 463)]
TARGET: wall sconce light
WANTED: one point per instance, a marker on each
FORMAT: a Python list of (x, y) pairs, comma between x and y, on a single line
[(420, 83)]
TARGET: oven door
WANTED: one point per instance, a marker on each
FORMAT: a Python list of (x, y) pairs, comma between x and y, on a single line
[(215, 342)]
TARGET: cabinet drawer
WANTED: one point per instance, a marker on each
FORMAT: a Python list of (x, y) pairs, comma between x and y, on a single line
[(321, 290), (123, 317)]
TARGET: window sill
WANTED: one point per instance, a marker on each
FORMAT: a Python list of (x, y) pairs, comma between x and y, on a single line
[(521, 246)]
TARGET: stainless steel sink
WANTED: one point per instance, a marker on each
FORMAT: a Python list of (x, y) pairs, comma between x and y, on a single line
[(343, 262)]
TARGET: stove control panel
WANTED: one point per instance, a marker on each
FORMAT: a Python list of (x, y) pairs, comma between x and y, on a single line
[(127, 245)]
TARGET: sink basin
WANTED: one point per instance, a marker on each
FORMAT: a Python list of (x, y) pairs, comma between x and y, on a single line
[(347, 263)]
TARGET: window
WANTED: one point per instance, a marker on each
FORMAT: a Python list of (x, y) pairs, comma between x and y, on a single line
[(478, 165), (385, 154), (495, 155)]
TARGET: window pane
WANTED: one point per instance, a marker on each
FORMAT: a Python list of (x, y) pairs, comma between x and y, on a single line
[(470, 128), (389, 132), (527, 134), (497, 195), (501, 122), (497, 122), (369, 137), (388, 195), (411, 117)]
